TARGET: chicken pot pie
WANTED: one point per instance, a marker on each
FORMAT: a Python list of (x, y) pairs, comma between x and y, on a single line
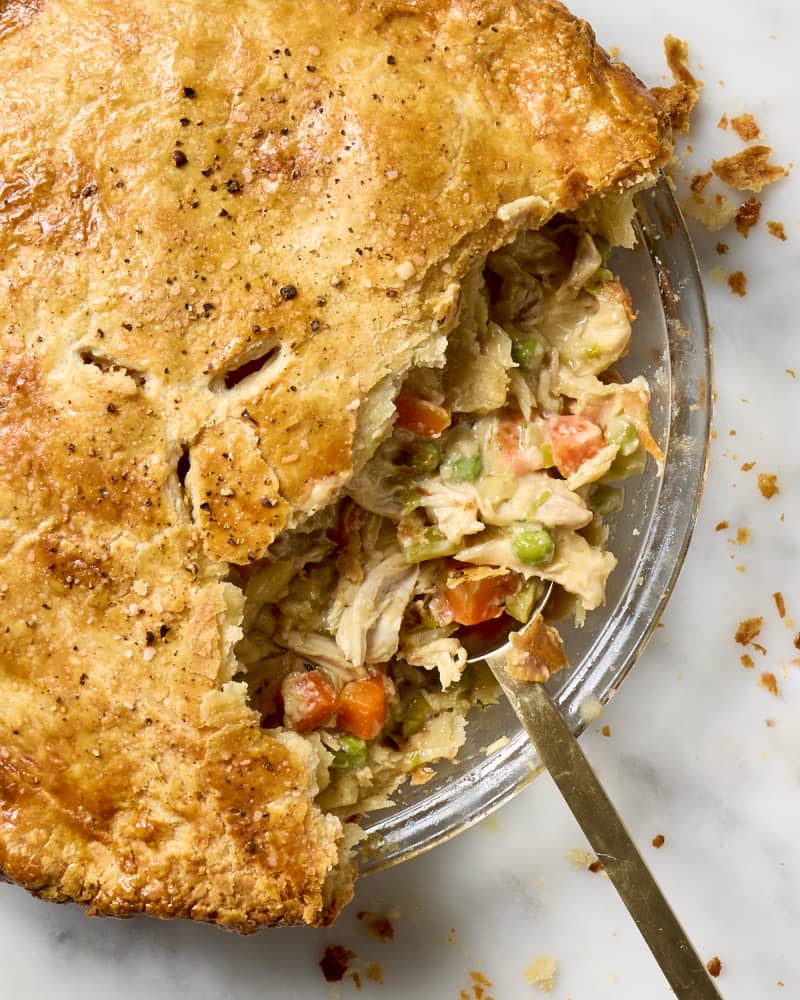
[(306, 337)]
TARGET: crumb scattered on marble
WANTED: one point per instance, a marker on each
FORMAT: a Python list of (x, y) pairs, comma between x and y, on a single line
[(714, 967), (606, 730), (748, 215), (699, 182), (579, 858), (722, 248), (749, 170), (741, 568), (746, 127), (723, 122), (717, 275), (480, 984), (742, 536), (768, 485), (596, 866), (791, 373), (378, 924), (760, 648), (777, 230), (748, 630), (747, 466), (771, 723), (747, 661), (769, 682), (714, 215), (451, 936), (737, 282), (658, 840), (797, 641), (721, 526), (542, 973), (375, 973), (780, 604), (335, 962)]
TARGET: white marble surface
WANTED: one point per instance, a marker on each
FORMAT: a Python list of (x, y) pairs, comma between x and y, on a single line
[(698, 751)]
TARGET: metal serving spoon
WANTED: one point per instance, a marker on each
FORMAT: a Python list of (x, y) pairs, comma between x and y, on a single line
[(561, 754)]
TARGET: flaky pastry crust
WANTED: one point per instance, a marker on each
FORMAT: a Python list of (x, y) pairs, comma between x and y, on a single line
[(226, 231)]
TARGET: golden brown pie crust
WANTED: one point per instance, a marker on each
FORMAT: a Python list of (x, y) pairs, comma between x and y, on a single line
[(186, 189)]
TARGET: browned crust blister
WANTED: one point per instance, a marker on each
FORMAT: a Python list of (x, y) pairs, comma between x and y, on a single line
[(187, 190)]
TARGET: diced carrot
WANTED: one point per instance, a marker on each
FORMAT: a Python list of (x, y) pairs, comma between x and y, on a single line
[(574, 440), (421, 417), (309, 699), (471, 602), (362, 707)]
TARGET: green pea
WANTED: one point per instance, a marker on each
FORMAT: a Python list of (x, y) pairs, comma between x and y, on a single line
[(352, 752), (425, 457), (466, 470), (528, 354), (533, 545)]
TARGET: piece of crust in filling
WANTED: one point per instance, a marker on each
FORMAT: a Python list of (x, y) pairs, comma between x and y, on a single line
[(226, 233)]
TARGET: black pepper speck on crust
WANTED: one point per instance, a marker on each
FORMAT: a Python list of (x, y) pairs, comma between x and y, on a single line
[(179, 158), (288, 292)]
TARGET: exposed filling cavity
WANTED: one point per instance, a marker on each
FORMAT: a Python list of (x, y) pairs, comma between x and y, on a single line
[(497, 477)]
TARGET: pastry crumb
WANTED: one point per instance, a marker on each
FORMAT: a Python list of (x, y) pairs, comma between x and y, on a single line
[(748, 630), (714, 967), (746, 127), (769, 682), (378, 924), (699, 182), (749, 170), (780, 604), (714, 214), (747, 466), (542, 973), (335, 962), (777, 230), (742, 536), (578, 858), (737, 282), (375, 973), (748, 215), (723, 122), (658, 840), (721, 526), (722, 249), (768, 485), (596, 866), (679, 99), (606, 730), (747, 661)]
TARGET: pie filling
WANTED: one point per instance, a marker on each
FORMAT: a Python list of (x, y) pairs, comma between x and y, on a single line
[(499, 473)]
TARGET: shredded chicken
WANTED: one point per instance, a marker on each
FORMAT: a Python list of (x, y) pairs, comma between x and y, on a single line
[(441, 652), (365, 617)]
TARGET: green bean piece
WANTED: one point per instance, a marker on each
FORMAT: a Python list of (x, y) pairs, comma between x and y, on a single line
[(352, 752)]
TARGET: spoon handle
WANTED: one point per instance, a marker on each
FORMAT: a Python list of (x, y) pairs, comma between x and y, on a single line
[(560, 753)]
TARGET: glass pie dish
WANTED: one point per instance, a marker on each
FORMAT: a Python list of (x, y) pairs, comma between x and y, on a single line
[(649, 536)]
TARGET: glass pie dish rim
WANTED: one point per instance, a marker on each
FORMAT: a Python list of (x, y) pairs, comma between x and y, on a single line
[(399, 834)]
